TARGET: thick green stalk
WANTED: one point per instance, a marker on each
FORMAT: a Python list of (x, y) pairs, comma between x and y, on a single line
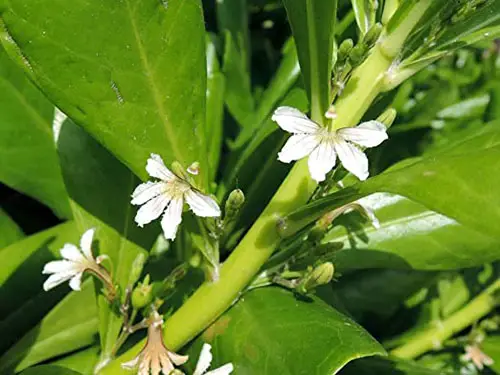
[(434, 336), (212, 299)]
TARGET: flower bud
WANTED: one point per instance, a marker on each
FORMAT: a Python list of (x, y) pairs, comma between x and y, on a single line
[(357, 54), (233, 204), (194, 168), (179, 171), (344, 49), (372, 35), (387, 117), (136, 270), (142, 295), (321, 275)]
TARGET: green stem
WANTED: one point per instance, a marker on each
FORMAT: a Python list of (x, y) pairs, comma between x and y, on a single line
[(434, 336), (212, 299)]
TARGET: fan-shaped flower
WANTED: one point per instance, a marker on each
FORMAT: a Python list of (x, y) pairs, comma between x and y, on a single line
[(323, 145), (204, 363)]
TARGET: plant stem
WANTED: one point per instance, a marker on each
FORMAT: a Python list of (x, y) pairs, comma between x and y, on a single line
[(434, 336), (212, 299)]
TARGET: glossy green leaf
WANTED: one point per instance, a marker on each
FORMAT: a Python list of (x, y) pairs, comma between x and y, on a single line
[(129, 76), (271, 331), (9, 230), (100, 187), (238, 95), (364, 11), (82, 361), (71, 325), (389, 366), (406, 228), (215, 108), (313, 27), (49, 370), (28, 161)]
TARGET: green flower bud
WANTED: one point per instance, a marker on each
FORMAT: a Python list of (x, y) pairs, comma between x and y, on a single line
[(357, 54), (137, 267), (387, 117), (345, 49), (233, 205), (142, 295), (321, 275), (179, 170), (372, 35)]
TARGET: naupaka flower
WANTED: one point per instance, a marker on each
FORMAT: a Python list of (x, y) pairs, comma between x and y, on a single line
[(167, 196), (75, 262), (323, 146), (204, 363)]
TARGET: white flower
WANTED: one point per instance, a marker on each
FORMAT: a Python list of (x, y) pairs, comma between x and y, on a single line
[(167, 196), (474, 354), (204, 363), (323, 145), (155, 356), (75, 262)]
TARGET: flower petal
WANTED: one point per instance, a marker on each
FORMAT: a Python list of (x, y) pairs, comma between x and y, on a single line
[(204, 360), (224, 370), (172, 218), (177, 359), (202, 205), (294, 121), (152, 210), (322, 160), (132, 364), (353, 159), (86, 243), (57, 266), (156, 168), (72, 253), (76, 281), (366, 134), (147, 191), (56, 279), (297, 147), (166, 365)]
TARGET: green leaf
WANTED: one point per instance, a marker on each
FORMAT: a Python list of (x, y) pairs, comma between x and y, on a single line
[(82, 361), (238, 94), (389, 366), (491, 347), (364, 11), (129, 76), (71, 325), (9, 230), (28, 161), (407, 227), (270, 331), (313, 27), (100, 187), (49, 370), (215, 108)]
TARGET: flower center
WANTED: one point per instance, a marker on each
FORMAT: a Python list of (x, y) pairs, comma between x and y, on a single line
[(176, 188)]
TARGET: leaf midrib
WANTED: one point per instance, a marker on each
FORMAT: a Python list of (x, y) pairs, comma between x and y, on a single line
[(152, 86)]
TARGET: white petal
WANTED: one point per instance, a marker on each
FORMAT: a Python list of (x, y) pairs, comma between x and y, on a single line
[(322, 160), (367, 134), (86, 243), (201, 204), (76, 281), (172, 218), (297, 147), (177, 359), (204, 360), (156, 168), (294, 121), (353, 159), (151, 210), (224, 370), (57, 266), (56, 279), (130, 365), (71, 253), (147, 191)]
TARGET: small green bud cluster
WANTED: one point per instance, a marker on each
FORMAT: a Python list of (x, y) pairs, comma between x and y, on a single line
[(142, 295), (320, 275)]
